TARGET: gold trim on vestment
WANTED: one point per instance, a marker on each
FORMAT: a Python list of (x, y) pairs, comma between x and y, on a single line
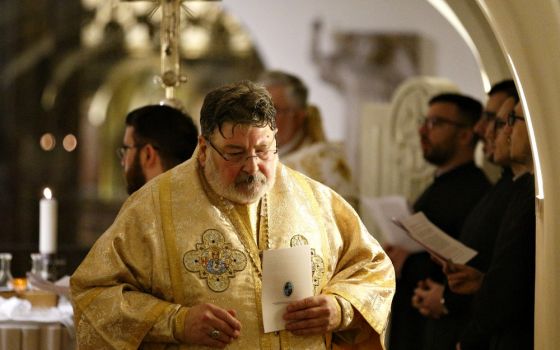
[(169, 238), (127, 292), (245, 234), (325, 247)]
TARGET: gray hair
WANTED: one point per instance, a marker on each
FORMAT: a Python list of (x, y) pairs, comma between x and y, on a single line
[(241, 103), (297, 91)]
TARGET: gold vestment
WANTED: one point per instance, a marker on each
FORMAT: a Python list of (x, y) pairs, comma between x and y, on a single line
[(310, 153), (175, 244), (325, 162)]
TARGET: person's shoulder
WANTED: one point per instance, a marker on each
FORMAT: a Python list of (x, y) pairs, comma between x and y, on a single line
[(323, 149), (140, 195), (286, 173), (471, 168), (181, 170), (293, 180), (326, 163), (175, 177), (147, 197), (524, 186), (471, 172)]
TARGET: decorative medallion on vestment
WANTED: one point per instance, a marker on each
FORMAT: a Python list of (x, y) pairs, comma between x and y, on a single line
[(215, 260), (317, 264)]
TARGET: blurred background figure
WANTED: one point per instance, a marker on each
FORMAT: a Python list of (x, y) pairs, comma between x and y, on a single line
[(156, 138), (448, 142), (301, 138), (496, 97), (447, 312), (503, 315)]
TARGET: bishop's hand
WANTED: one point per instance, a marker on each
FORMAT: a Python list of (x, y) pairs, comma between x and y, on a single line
[(314, 315), (210, 325)]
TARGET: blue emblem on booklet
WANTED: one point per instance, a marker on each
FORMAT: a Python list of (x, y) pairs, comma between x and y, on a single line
[(288, 288)]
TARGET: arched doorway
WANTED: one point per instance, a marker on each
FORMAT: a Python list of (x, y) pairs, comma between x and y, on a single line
[(518, 27)]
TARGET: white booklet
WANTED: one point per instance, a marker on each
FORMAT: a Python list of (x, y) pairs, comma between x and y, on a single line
[(287, 277), (442, 246), (384, 210)]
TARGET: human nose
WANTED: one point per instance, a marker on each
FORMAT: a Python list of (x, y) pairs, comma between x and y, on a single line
[(507, 129), (250, 164), (480, 128)]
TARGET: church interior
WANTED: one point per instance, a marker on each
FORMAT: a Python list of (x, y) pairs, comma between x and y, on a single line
[(71, 70)]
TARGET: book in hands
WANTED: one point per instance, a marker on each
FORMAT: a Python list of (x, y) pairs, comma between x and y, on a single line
[(442, 246), (383, 210)]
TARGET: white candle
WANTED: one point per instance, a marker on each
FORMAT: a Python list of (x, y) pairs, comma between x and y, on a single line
[(47, 223)]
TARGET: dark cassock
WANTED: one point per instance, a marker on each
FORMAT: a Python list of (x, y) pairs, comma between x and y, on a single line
[(503, 312), (479, 232), (446, 202)]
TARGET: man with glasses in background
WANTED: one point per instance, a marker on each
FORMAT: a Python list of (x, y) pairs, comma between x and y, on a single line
[(496, 97), (448, 312), (156, 138), (448, 142), (181, 266), (503, 308)]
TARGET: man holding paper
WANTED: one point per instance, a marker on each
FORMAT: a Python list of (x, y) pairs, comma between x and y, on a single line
[(448, 141), (503, 312), (181, 266), (449, 312)]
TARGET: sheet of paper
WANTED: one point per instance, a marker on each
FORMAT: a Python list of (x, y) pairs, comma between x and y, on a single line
[(287, 277), (436, 241), (383, 210)]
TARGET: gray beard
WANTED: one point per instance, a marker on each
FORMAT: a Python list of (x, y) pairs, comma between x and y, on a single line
[(246, 188)]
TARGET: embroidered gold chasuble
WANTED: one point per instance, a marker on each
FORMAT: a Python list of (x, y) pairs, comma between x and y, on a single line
[(176, 244)]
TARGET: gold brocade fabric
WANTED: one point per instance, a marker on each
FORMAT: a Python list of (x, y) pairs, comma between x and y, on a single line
[(313, 155), (174, 245), (313, 125), (324, 162)]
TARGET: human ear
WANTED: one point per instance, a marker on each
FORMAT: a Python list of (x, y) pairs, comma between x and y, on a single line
[(202, 150), (150, 155)]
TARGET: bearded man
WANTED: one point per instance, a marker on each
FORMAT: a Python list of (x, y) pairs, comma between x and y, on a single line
[(156, 138), (448, 141), (446, 320), (181, 265)]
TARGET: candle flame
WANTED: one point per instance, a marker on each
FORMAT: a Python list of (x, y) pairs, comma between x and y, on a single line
[(47, 193)]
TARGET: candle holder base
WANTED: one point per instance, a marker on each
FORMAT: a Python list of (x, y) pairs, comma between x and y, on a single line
[(44, 266)]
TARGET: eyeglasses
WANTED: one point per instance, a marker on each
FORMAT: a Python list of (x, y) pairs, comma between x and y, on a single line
[(489, 116), (432, 122), (499, 124), (239, 157), (121, 151), (512, 117)]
